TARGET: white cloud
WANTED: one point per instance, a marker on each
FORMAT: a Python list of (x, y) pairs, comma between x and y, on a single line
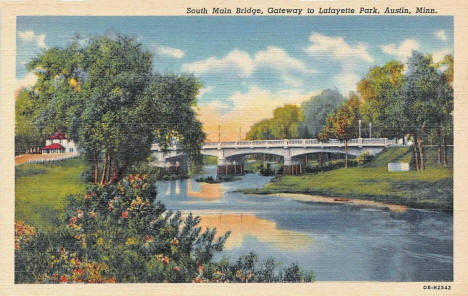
[(347, 81), (402, 51), (206, 90), (439, 55), (337, 47), (169, 51), (242, 64), (30, 36), (441, 35), (26, 35), (236, 62), (279, 60), (27, 81)]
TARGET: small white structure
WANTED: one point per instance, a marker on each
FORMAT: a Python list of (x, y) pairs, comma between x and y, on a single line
[(398, 167), (58, 143)]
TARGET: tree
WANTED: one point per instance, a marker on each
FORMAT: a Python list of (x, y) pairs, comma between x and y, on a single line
[(445, 118), (343, 124), (27, 135), (316, 111), (283, 125), (381, 95), (427, 99), (103, 94)]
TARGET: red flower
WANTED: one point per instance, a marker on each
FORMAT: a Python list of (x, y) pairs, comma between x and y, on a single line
[(63, 279), (135, 185), (176, 268), (148, 238), (72, 220), (175, 242), (79, 271), (200, 268), (124, 214), (166, 260)]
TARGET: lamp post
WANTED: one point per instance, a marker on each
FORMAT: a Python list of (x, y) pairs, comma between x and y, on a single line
[(370, 129)]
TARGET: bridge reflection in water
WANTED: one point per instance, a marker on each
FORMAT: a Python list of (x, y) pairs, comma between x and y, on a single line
[(241, 225)]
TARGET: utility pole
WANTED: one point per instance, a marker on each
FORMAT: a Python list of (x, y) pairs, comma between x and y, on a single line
[(370, 129), (240, 133), (219, 133), (359, 128)]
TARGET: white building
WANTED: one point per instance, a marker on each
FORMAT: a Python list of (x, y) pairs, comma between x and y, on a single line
[(58, 143)]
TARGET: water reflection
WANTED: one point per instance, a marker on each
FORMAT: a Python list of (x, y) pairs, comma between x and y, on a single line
[(242, 225), (345, 242)]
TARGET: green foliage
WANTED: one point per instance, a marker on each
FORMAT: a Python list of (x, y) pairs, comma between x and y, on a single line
[(343, 124), (249, 268), (283, 125), (125, 231), (316, 111), (102, 92), (380, 92), (27, 135)]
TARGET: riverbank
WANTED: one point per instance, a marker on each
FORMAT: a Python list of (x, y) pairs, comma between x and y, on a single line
[(431, 189), (340, 200)]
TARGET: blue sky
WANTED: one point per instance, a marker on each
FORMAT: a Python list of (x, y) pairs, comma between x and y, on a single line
[(250, 65)]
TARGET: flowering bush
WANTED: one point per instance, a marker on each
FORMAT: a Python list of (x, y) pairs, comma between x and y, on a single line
[(116, 233)]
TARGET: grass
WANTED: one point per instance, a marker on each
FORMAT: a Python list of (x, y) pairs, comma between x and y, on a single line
[(394, 154), (41, 190), (429, 189)]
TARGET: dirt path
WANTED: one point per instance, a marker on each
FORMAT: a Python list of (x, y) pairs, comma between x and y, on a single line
[(25, 158)]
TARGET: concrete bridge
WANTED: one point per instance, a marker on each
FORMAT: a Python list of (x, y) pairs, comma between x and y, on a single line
[(292, 151)]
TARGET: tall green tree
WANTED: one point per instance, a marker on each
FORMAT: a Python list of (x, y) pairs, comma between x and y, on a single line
[(428, 100), (316, 111), (381, 95), (27, 135), (343, 124), (104, 95), (283, 125)]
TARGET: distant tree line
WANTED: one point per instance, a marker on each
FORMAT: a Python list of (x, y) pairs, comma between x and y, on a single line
[(412, 102)]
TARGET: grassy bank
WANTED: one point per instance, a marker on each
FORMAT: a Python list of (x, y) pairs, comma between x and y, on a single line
[(41, 190), (430, 189)]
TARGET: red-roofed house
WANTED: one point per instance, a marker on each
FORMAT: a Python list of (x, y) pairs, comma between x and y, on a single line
[(58, 143)]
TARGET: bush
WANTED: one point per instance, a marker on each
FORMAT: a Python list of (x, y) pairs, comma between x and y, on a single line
[(116, 233)]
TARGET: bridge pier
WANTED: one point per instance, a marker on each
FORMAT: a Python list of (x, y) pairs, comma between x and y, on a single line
[(229, 168), (292, 168), (176, 166)]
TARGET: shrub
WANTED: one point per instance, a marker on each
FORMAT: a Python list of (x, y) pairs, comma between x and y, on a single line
[(116, 233)]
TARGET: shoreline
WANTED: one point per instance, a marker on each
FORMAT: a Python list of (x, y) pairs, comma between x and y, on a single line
[(303, 197)]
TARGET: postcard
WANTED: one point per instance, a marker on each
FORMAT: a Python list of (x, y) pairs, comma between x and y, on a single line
[(233, 148)]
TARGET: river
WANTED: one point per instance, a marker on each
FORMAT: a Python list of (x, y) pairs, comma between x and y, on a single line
[(338, 242)]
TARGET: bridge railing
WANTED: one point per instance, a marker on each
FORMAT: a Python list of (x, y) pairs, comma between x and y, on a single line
[(290, 143)]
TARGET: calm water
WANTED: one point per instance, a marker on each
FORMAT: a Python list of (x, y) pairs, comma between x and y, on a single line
[(337, 242)]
